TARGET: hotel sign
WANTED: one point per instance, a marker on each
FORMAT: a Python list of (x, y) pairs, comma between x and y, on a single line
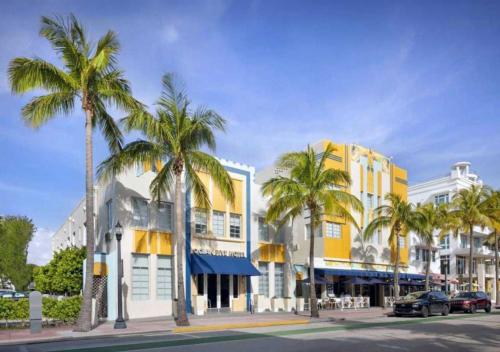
[(219, 252)]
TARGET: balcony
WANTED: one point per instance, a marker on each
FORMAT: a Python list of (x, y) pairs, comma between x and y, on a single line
[(477, 252)]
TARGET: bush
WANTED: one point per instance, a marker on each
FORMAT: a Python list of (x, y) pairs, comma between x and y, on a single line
[(65, 310)]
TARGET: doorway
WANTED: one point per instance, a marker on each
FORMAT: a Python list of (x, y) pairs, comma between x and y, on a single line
[(224, 291), (212, 290)]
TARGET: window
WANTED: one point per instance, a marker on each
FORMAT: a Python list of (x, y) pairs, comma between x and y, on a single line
[(425, 255), (140, 212), (139, 169), (401, 242), (369, 198), (417, 253), (464, 241), (263, 230), (441, 199), (461, 265), (109, 212), (433, 256), (264, 279), (477, 243), (280, 234), (200, 283), (317, 231), (140, 277), (445, 242), (279, 280), (218, 224), (165, 215), (236, 286), (200, 221), (474, 265), (235, 226), (164, 278), (333, 230)]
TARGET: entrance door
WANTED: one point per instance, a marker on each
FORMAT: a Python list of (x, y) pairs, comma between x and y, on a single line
[(224, 291), (212, 290)]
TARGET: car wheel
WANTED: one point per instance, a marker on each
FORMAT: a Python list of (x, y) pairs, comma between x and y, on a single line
[(425, 312), (445, 311), (488, 308), (472, 309)]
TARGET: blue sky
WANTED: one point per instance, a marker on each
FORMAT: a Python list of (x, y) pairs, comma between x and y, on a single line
[(418, 81)]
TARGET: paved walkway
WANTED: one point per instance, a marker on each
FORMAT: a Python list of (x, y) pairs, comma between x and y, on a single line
[(211, 322)]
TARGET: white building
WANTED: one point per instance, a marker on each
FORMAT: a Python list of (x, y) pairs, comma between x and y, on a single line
[(453, 250)]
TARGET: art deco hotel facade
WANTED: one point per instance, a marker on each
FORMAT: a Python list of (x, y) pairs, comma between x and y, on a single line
[(234, 261)]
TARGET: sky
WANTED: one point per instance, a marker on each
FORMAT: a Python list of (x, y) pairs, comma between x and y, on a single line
[(418, 81)]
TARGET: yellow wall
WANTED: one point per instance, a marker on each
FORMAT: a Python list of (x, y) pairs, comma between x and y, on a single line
[(399, 181), (159, 242), (272, 252), (141, 241), (403, 253), (338, 247), (379, 183), (237, 207), (100, 269)]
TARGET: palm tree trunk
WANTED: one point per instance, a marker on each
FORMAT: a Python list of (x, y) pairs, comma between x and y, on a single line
[(471, 253), (182, 319), (396, 269), (312, 282), (428, 268), (85, 318), (497, 293)]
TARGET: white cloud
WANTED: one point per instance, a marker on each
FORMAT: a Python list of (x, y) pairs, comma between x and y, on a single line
[(171, 33), (40, 247)]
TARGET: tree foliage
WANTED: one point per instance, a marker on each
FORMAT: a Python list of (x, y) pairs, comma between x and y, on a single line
[(16, 233), (63, 274)]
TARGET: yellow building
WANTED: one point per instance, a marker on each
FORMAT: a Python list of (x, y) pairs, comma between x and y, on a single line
[(340, 252)]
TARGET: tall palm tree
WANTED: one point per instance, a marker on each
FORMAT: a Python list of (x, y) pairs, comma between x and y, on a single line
[(176, 133), (493, 215), (401, 218), (310, 185), (470, 207), (432, 217), (88, 76)]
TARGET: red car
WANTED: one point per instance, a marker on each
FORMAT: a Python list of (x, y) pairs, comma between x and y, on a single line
[(470, 302)]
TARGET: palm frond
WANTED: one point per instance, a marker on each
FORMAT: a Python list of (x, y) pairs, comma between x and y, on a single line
[(163, 182), (41, 109), (204, 162), (27, 74)]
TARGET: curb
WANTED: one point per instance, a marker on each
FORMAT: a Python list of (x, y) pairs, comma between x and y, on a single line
[(220, 327)]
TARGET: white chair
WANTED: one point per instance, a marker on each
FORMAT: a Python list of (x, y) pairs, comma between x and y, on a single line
[(347, 302), (366, 302), (358, 302)]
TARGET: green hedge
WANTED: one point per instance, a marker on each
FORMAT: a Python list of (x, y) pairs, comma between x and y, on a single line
[(65, 310)]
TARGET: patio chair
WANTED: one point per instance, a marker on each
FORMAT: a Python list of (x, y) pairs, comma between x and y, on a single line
[(347, 302), (358, 302), (366, 302)]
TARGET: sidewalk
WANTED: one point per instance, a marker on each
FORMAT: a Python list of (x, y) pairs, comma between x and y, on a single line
[(223, 321)]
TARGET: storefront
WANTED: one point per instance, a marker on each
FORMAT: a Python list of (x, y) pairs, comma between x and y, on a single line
[(221, 282)]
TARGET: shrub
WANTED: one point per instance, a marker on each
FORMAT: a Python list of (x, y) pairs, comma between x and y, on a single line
[(65, 310)]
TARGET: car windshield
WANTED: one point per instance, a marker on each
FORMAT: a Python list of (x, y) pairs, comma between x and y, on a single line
[(465, 295), (415, 295)]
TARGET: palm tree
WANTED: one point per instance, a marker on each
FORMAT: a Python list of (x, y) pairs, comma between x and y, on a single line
[(176, 134), (432, 217), (493, 215), (88, 76), (309, 185), (401, 218), (470, 207)]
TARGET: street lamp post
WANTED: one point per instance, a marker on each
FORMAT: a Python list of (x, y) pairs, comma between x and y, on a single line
[(119, 323), (445, 262)]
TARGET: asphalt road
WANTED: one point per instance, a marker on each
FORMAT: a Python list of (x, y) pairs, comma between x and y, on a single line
[(458, 332)]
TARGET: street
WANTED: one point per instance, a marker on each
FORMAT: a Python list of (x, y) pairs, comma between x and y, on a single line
[(457, 332)]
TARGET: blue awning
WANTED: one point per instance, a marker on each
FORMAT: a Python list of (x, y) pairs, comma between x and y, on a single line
[(368, 273), (213, 264)]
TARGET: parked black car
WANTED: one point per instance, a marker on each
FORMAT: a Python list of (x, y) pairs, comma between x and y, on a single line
[(470, 302), (423, 303)]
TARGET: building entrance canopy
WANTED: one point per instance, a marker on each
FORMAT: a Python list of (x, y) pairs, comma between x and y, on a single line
[(367, 273), (213, 264)]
